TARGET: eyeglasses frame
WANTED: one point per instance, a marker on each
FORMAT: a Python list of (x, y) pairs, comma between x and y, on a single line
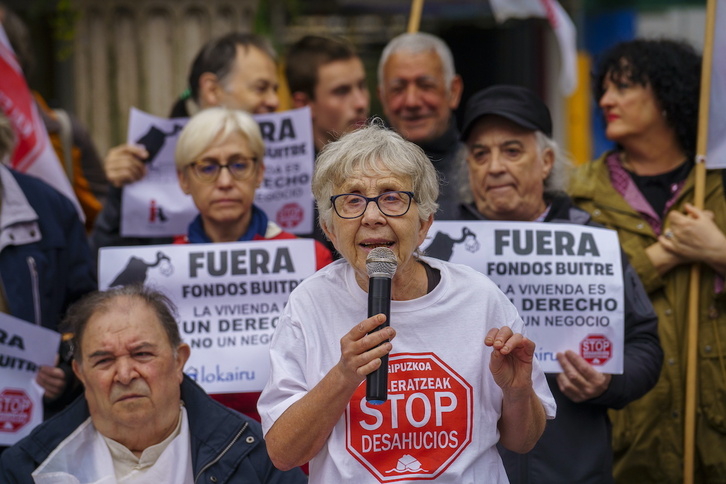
[(368, 200), (221, 166)]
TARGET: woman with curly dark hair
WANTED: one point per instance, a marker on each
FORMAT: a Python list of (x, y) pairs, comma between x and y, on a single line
[(648, 92)]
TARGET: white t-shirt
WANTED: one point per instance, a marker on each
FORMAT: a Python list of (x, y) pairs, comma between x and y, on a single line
[(440, 420)]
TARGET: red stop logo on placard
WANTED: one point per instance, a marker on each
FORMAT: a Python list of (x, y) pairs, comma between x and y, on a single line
[(15, 409), (423, 426), (289, 216), (596, 349)]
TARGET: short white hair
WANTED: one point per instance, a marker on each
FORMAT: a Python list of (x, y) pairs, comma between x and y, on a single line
[(373, 149), (416, 43)]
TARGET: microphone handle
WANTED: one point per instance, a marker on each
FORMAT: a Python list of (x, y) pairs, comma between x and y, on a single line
[(379, 301)]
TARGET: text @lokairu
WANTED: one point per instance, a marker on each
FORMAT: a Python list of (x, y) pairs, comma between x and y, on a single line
[(229, 296)]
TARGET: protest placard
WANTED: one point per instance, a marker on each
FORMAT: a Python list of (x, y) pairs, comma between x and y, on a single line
[(565, 280), (229, 297), (24, 347), (155, 206)]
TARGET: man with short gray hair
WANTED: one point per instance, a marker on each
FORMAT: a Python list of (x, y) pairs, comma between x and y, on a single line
[(141, 419), (419, 90)]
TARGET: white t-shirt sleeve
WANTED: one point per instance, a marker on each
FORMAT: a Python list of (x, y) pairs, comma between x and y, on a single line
[(287, 383), (539, 381)]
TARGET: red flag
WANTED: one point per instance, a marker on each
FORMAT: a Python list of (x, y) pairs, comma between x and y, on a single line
[(33, 154)]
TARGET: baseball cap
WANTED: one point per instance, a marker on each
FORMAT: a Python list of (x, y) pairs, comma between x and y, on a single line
[(515, 103)]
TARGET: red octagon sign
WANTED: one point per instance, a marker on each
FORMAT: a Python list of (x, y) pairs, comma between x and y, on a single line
[(422, 427), (289, 216), (15, 409), (596, 349)]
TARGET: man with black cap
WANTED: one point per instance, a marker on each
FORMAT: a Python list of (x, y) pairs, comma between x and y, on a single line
[(517, 172)]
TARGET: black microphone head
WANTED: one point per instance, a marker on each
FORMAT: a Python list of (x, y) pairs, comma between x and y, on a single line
[(381, 262)]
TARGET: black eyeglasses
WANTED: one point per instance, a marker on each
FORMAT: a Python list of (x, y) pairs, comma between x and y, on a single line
[(240, 167), (353, 205)]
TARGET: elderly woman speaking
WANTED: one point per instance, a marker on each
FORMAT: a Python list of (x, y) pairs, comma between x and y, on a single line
[(461, 376)]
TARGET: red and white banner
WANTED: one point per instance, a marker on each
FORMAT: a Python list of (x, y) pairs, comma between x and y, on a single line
[(33, 154), (561, 24), (716, 152)]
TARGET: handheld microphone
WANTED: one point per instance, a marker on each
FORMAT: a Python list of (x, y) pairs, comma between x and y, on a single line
[(381, 265)]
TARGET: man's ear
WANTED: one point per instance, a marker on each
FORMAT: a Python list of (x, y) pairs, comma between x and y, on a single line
[(209, 90), (300, 99), (455, 91), (77, 370), (182, 356), (548, 159)]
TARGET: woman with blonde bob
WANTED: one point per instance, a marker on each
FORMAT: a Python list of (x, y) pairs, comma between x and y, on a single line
[(219, 162)]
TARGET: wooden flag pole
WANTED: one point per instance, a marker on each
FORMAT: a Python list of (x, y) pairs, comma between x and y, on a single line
[(689, 434), (414, 20)]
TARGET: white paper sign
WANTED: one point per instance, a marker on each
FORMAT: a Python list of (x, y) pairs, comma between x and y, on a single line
[(229, 297), (155, 206), (565, 280), (24, 347)]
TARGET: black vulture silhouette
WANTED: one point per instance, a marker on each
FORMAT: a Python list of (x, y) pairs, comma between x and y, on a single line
[(154, 140), (136, 270), (442, 247)]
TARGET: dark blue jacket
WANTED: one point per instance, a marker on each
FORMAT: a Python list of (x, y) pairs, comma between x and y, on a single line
[(227, 447), (41, 279)]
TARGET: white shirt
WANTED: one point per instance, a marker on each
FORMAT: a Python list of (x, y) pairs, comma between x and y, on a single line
[(87, 457), (440, 422)]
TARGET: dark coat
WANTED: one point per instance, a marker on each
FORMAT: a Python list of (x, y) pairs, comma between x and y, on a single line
[(41, 279), (227, 447)]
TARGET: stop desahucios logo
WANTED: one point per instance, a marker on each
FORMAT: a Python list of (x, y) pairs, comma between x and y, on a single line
[(423, 426)]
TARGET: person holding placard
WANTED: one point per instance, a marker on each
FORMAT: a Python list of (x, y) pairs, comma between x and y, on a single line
[(461, 376), (236, 70), (648, 91), (45, 262), (517, 172), (219, 160)]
